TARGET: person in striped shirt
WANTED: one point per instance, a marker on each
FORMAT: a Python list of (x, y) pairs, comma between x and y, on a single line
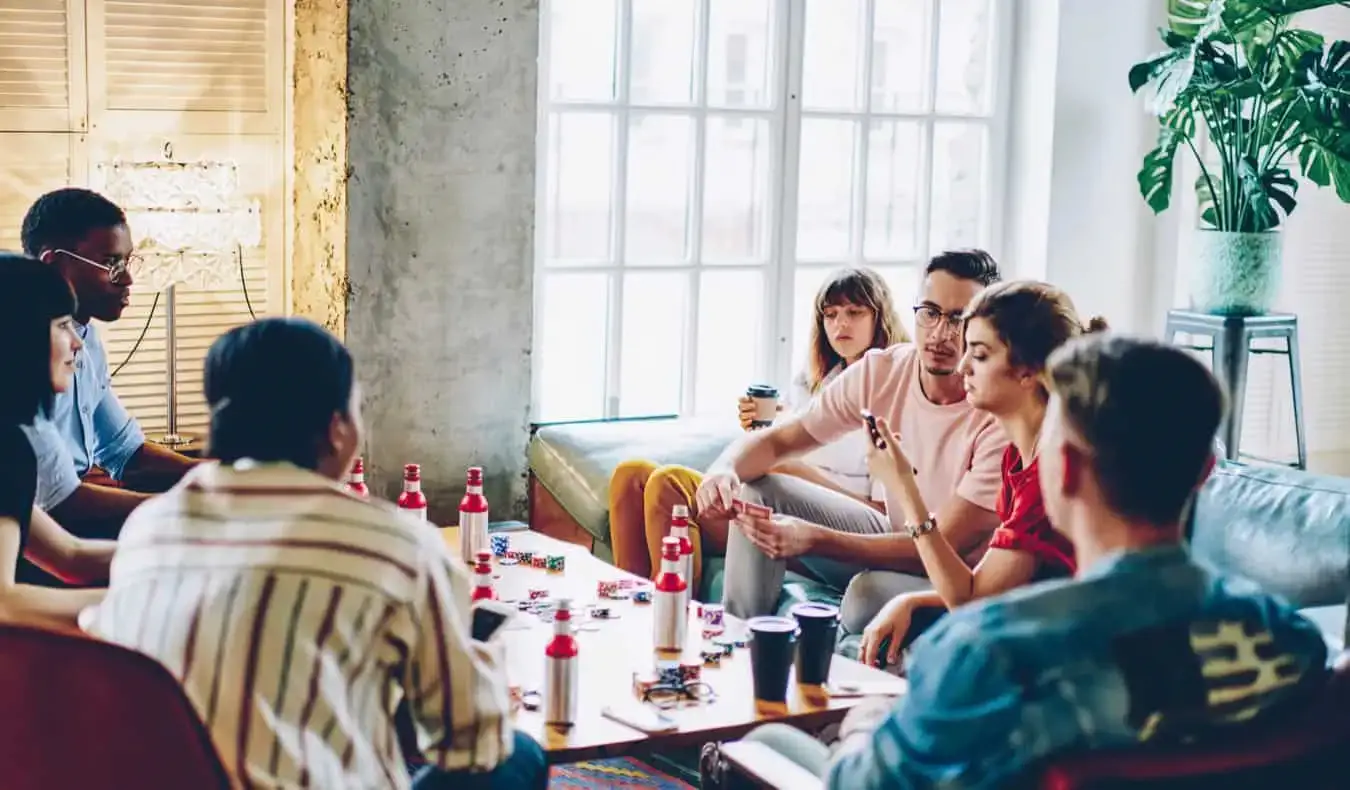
[(298, 618)]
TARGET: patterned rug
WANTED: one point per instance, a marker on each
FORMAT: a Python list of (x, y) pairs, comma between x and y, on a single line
[(618, 772)]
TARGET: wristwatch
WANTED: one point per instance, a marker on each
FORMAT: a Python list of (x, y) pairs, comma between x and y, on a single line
[(923, 527)]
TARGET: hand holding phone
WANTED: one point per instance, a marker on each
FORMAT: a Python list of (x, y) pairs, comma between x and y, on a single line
[(872, 432)]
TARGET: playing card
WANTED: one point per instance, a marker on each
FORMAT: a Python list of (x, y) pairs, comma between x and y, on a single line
[(740, 507)]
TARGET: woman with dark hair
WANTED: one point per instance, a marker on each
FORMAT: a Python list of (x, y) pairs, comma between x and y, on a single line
[(853, 313), (1010, 330), (38, 357), (259, 567)]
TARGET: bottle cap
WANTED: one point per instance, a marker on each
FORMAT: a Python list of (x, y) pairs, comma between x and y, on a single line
[(483, 557), (670, 548), (475, 476), (358, 466), (562, 609), (412, 472), (679, 511)]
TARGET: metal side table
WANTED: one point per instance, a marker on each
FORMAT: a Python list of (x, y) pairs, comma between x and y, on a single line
[(1230, 346)]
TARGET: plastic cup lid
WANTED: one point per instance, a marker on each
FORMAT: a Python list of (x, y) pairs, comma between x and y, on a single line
[(771, 624), (815, 609), (762, 391)]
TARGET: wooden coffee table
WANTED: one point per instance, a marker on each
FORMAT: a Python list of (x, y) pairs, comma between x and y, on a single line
[(618, 647)]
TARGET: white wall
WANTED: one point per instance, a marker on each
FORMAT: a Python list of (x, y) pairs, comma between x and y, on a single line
[(1075, 217)]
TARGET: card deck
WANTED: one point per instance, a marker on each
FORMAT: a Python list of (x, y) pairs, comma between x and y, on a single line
[(740, 506)]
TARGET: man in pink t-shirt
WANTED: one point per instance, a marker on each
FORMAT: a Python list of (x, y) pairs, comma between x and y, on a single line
[(955, 449)]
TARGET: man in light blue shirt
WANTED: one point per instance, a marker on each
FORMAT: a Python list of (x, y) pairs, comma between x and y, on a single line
[(86, 237), (1143, 646)]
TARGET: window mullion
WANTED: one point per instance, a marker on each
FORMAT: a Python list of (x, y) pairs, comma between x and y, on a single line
[(694, 223), (619, 208), (790, 47), (927, 136), (862, 135)]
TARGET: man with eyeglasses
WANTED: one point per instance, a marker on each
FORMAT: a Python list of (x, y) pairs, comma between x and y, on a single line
[(957, 452), (85, 236)]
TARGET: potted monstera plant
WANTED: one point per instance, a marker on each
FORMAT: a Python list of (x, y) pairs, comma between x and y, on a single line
[(1270, 97)]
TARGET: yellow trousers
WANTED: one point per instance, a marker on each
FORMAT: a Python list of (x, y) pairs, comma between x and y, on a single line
[(641, 495)]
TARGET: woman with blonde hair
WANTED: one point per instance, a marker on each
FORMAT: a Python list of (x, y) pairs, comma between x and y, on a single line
[(1010, 329), (854, 312)]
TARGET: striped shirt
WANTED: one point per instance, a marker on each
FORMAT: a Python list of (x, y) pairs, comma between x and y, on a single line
[(297, 618)]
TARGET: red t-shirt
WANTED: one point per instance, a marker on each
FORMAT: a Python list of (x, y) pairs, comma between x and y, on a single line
[(1025, 526)]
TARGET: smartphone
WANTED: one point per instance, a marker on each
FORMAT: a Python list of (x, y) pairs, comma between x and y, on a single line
[(643, 718), (488, 618), (872, 432)]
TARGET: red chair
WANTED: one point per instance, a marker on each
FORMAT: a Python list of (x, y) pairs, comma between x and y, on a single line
[(81, 714), (1304, 750)]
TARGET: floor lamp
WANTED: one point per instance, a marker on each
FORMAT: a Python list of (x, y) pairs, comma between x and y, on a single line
[(193, 224)]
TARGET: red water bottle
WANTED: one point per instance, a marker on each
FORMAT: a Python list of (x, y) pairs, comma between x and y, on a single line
[(560, 669), (482, 578), (679, 529), (411, 501), (670, 617), (356, 480), (473, 516)]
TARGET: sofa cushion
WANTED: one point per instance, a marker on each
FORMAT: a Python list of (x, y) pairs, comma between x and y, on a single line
[(574, 461), (1286, 530)]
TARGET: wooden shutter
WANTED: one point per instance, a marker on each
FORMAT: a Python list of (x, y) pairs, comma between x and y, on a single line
[(30, 164), (41, 65), (196, 66), (201, 315)]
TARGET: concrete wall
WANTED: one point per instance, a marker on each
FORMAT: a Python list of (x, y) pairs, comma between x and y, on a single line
[(441, 155)]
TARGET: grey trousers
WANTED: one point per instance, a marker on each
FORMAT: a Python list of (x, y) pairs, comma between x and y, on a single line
[(754, 582)]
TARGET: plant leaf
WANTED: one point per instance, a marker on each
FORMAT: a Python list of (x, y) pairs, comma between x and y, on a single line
[(1324, 157), (1155, 177), (1187, 18)]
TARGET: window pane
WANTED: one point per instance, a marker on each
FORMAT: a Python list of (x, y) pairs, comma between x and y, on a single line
[(730, 339), (894, 163), (582, 39), (825, 189), (652, 357), (662, 69), (904, 282), (736, 190), (806, 281), (958, 185), (571, 344), (740, 53), (900, 43), (834, 53), (965, 41), (660, 149), (577, 204)]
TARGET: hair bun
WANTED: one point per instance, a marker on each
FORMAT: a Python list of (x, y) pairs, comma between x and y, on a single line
[(1095, 324)]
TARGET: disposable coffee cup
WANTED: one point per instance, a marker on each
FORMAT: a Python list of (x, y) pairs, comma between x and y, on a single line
[(766, 404), (773, 643), (819, 624)]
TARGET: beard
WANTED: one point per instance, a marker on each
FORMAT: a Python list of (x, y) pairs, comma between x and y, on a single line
[(932, 371)]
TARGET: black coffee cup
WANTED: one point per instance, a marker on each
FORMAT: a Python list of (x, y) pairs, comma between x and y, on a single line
[(819, 623), (766, 404), (773, 642)]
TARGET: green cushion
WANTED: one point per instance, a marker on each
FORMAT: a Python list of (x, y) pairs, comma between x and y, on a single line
[(574, 461)]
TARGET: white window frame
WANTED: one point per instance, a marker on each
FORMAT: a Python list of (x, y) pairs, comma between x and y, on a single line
[(785, 114)]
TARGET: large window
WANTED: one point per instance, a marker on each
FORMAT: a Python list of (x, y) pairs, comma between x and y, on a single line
[(705, 163)]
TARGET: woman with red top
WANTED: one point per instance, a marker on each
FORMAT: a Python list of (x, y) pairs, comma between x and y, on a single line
[(1010, 329)]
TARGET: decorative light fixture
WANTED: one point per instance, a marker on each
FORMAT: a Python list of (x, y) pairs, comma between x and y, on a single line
[(193, 223)]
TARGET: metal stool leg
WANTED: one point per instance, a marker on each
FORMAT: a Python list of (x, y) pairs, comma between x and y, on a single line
[(1296, 388), (1230, 356)]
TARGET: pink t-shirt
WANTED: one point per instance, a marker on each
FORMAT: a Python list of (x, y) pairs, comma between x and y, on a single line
[(955, 449)]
